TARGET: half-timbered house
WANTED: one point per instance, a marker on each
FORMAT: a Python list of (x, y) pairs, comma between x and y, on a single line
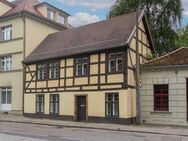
[(87, 73)]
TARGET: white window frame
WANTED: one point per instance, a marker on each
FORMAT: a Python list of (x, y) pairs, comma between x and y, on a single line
[(50, 14), (6, 63), (82, 64), (6, 33), (61, 19), (53, 70), (6, 90), (42, 72)]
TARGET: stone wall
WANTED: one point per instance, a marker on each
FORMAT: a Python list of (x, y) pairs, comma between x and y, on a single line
[(176, 79)]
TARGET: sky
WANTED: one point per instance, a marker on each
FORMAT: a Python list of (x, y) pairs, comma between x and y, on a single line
[(88, 11)]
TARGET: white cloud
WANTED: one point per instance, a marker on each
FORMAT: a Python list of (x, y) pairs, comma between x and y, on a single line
[(82, 18), (92, 4), (185, 7), (185, 13)]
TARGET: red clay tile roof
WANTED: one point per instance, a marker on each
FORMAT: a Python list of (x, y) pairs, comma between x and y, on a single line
[(111, 33), (23, 5), (177, 57)]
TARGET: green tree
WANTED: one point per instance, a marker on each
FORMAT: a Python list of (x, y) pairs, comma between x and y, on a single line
[(183, 36), (164, 17)]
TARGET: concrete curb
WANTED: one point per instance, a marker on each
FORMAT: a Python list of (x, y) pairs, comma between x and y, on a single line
[(96, 128)]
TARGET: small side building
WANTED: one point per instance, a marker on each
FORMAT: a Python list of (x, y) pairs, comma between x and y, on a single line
[(86, 73), (164, 92)]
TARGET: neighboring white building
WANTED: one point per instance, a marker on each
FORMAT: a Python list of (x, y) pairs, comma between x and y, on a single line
[(164, 92)]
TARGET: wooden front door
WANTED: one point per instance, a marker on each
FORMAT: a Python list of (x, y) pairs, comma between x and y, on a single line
[(81, 108)]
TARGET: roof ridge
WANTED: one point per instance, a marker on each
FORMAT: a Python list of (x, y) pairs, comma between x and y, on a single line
[(167, 54), (102, 21), (109, 19), (8, 3)]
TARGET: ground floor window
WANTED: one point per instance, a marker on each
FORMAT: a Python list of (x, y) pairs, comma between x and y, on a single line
[(6, 95), (39, 103), (161, 99), (112, 104), (54, 104)]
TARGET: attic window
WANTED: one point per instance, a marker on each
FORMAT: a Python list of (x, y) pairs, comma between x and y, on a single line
[(61, 19), (50, 14)]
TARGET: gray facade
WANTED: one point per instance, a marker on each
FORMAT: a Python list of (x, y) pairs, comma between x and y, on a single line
[(176, 80)]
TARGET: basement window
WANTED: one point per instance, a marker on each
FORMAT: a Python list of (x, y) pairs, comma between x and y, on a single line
[(161, 98)]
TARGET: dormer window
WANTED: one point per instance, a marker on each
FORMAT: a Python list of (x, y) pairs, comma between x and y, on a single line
[(50, 14), (61, 19)]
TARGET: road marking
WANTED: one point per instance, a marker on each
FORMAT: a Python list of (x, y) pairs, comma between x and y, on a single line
[(73, 139), (26, 134), (39, 135)]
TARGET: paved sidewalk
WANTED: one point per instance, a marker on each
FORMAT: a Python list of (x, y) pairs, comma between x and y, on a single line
[(168, 130)]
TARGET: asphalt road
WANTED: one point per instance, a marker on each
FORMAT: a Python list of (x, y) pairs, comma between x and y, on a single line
[(31, 132)]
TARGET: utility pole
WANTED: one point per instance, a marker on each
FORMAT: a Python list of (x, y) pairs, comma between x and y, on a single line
[(138, 122)]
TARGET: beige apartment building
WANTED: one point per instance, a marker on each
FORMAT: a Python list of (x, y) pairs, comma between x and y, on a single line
[(23, 25)]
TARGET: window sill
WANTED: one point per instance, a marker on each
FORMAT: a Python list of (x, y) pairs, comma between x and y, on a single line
[(116, 72), (10, 71), (112, 117), (161, 112), (80, 76), (4, 41)]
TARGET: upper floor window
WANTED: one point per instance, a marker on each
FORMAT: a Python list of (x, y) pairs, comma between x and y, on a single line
[(6, 63), (115, 62), (6, 32), (48, 71), (82, 66), (53, 70), (161, 98), (42, 71), (50, 14), (61, 19)]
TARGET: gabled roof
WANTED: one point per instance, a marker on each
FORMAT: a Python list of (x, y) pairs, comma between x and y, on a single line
[(112, 33), (23, 5), (8, 3), (45, 3), (175, 58)]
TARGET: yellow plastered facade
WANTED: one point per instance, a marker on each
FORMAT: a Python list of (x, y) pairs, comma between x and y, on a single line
[(35, 32), (96, 105)]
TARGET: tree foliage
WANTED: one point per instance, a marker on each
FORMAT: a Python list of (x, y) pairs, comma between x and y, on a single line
[(183, 36), (164, 17)]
